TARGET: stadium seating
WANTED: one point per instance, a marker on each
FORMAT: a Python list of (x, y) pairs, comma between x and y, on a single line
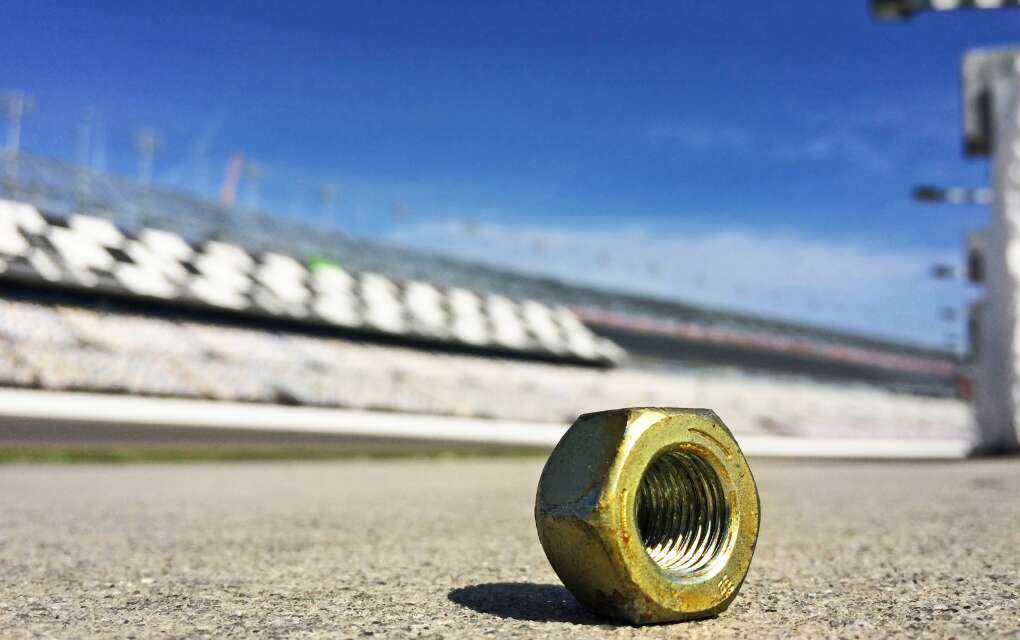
[(60, 187), (63, 347), (179, 297), (935, 366), (92, 253)]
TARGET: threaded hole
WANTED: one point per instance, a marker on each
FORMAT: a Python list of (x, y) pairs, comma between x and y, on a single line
[(682, 512)]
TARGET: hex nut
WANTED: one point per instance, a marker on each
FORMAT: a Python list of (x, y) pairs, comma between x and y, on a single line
[(649, 515)]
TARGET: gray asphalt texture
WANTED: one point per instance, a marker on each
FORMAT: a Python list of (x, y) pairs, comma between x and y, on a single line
[(447, 549)]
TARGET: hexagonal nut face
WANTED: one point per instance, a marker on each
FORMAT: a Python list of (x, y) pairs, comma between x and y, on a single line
[(649, 514)]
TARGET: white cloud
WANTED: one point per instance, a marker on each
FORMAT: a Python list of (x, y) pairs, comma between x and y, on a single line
[(877, 138), (849, 285)]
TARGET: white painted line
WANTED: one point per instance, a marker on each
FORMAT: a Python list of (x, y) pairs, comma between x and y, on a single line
[(91, 408), (794, 447)]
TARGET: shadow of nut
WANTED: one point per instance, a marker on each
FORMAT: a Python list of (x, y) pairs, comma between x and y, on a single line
[(649, 514)]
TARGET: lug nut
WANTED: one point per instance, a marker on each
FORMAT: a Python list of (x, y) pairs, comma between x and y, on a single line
[(649, 514)]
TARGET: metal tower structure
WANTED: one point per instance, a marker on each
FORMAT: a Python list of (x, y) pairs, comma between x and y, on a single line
[(991, 111), (991, 127)]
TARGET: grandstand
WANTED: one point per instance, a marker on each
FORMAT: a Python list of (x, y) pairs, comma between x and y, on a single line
[(114, 287)]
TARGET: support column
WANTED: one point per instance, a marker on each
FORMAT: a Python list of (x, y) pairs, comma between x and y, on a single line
[(997, 371)]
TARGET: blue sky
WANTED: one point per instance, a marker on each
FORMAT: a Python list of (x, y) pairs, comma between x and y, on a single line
[(750, 155)]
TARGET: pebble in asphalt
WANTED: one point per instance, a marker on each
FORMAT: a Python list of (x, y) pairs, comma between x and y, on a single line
[(447, 549)]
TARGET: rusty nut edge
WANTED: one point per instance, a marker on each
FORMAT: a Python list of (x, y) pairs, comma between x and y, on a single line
[(649, 515)]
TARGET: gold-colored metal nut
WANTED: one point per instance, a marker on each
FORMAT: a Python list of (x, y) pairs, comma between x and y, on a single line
[(649, 514)]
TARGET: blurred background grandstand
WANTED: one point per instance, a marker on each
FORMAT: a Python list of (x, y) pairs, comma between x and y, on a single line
[(179, 298), (115, 286)]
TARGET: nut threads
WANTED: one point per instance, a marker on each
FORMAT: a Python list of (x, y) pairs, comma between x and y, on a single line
[(682, 513)]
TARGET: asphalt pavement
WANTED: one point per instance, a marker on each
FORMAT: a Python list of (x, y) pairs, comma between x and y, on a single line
[(447, 549)]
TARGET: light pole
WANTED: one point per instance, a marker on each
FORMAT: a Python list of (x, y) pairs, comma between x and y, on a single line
[(146, 141), (84, 142), (327, 198), (84, 152), (254, 173), (19, 104)]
